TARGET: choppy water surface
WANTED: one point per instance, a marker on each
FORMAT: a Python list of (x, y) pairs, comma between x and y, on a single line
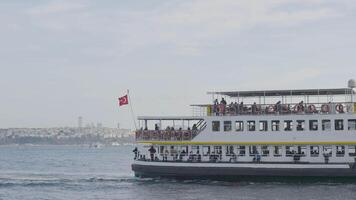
[(67, 172)]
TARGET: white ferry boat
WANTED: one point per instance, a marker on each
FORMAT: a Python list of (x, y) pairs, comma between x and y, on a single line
[(273, 133)]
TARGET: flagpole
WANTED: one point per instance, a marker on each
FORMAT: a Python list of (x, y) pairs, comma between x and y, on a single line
[(132, 113)]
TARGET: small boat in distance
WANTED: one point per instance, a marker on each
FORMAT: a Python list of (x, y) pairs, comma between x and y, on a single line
[(249, 134)]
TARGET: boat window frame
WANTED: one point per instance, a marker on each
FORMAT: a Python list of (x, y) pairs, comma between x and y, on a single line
[(263, 125), (251, 151), (341, 153), (216, 127), (313, 122), (228, 151), (328, 150), (353, 148), (241, 126), (351, 128), (241, 150), (286, 123), (290, 150), (275, 126), (314, 152), (300, 125), (323, 125), (277, 151), (339, 126), (226, 126), (206, 152), (265, 151), (252, 127)]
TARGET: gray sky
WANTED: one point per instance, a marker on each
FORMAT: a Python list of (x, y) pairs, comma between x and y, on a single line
[(64, 59)]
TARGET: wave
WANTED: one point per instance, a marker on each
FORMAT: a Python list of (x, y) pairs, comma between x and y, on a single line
[(49, 180)]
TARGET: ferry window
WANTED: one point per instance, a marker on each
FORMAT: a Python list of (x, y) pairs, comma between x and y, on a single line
[(239, 125), (253, 150), (326, 125), (340, 151), (241, 150), (313, 125), (314, 151), (195, 150), (275, 125), (227, 125), (206, 150), (263, 126), (173, 150), (161, 150), (288, 125), (184, 150), (351, 124), (339, 124), (277, 151), (302, 150), (217, 150), (327, 150), (300, 125), (229, 150), (352, 150), (251, 125), (265, 150), (216, 126), (290, 151)]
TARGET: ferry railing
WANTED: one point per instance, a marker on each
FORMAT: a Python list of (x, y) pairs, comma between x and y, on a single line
[(281, 109), (169, 135), (165, 135)]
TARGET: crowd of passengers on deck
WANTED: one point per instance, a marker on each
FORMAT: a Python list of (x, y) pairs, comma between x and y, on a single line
[(235, 108), (217, 156), (187, 157)]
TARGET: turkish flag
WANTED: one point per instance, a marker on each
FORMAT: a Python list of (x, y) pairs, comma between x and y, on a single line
[(123, 100)]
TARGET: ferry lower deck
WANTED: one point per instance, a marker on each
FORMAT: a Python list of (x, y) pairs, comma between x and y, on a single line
[(236, 161)]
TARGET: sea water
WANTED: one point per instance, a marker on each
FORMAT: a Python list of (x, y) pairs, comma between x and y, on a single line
[(80, 172)]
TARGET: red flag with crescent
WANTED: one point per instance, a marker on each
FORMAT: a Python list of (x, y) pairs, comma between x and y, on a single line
[(123, 100)]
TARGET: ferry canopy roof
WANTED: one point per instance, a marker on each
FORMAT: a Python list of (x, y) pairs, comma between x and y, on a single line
[(271, 93)]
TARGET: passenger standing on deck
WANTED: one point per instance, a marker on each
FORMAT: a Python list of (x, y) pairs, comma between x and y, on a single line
[(254, 108), (236, 106), (278, 107), (165, 156), (222, 106), (223, 101), (241, 107), (136, 153), (152, 151), (215, 107)]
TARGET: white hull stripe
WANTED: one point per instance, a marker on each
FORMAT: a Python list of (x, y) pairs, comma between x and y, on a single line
[(246, 165)]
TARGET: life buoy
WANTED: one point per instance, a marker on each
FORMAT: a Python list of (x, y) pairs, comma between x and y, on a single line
[(285, 108), (325, 108), (311, 108), (298, 108), (339, 108), (270, 109), (222, 108)]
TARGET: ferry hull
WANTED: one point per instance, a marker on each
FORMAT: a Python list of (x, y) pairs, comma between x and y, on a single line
[(234, 171)]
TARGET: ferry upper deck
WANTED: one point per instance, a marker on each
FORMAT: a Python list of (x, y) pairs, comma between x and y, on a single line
[(235, 113)]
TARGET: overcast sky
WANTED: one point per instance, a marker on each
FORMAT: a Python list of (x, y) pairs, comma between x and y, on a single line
[(63, 59)]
